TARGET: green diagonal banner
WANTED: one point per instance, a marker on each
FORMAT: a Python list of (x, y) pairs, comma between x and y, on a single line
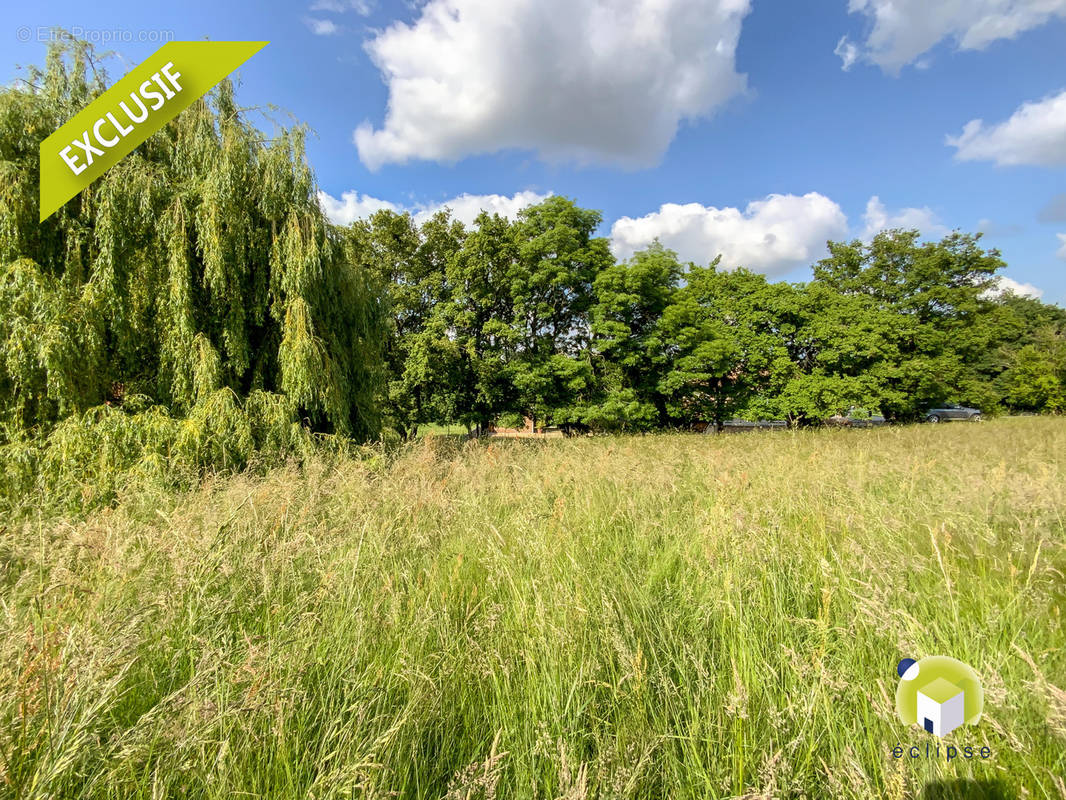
[(138, 105)]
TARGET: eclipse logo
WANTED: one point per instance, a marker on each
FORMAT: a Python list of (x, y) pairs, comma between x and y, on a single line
[(939, 694)]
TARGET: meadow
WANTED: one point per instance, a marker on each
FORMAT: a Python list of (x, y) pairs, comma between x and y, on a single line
[(661, 616)]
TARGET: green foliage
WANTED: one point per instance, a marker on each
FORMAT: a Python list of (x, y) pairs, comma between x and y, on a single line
[(628, 336), (199, 273), (410, 264), (481, 318), (533, 317), (910, 324), (89, 459), (725, 345), (552, 293), (1032, 355), (1036, 378), (200, 276), (842, 350)]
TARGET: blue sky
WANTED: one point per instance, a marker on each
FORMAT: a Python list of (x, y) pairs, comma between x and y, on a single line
[(755, 129)]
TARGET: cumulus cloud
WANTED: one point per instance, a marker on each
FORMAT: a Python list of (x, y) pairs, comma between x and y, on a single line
[(465, 207), (1005, 285), (878, 218), (772, 235), (572, 80), (1062, 250), (352, 206), (905, 29), (321, 27), (1035, 134)]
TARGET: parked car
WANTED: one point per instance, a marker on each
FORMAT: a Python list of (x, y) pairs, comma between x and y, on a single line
[(856, 417), (952, 411)]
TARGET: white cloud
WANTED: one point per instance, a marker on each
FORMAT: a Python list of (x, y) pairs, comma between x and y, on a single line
[(905, 29), (1062, 250), (878, 218), (464, 207), (321, 27), (848, 52), (771, 236), (361, 7), (1035, 134), (582, 80), (352, 206), (1005, 284)]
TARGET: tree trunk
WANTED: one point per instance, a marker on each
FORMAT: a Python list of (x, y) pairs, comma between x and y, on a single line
[(660, 409)]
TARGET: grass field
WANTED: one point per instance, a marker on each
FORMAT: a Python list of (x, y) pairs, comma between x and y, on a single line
[(673, 616)]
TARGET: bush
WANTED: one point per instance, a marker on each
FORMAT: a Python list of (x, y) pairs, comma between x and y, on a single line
[(89, 459)]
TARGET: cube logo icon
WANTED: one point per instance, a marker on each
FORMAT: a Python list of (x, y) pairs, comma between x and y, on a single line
[(938, 694)]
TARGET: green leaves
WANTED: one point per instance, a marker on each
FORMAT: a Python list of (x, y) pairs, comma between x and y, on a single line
[(533, 317), (201, 273), (724, 343), (903, 324), (200, 263)]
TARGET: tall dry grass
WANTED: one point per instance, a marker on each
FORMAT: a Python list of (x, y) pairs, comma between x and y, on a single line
[(647, 617)]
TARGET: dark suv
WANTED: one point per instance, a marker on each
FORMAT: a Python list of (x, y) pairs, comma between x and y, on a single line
[(952, 411)]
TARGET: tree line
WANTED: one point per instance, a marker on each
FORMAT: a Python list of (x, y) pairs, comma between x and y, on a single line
[(199, 282), (535, 317)]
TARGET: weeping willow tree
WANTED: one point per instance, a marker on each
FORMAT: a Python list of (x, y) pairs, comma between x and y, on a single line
[(199, 276), (201, 262)]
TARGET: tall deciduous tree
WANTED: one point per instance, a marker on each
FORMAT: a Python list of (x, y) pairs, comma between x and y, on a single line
[(411, 263), (937, 298), (842, 353), (200, 263), (551, 289), (724, 344), (1031, 355), (481, 318), (631, 298)]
